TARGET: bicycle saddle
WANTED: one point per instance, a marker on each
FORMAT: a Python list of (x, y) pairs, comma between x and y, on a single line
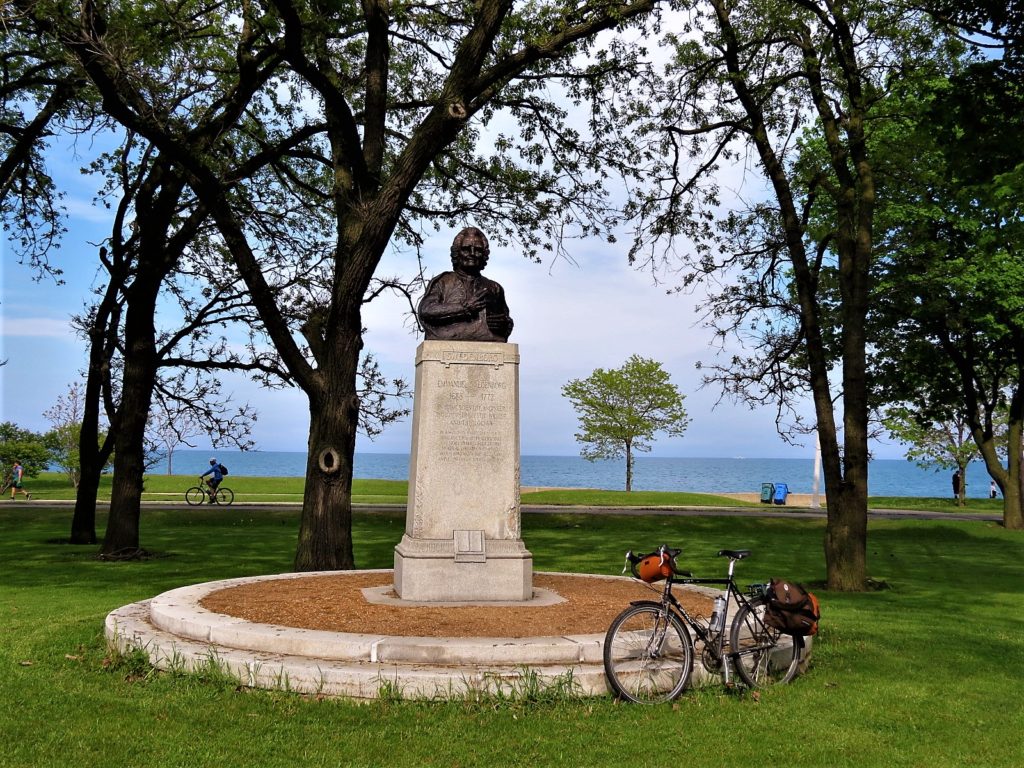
[(734, 554)]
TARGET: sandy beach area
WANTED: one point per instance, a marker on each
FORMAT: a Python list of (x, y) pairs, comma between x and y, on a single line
[(792, 500)]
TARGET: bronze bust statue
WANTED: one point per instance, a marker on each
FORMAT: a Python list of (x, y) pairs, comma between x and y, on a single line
[(463, 305)]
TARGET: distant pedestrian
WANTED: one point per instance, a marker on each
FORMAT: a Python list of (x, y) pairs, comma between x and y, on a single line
[(992, 491), (956, 484), (17, 478)]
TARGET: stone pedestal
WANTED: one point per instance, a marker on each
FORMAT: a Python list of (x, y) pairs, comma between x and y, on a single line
[(462, 536)]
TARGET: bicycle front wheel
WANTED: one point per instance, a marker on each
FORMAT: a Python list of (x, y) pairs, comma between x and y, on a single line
[(762, 655), (648, 655), (195, 495), (224, 496)]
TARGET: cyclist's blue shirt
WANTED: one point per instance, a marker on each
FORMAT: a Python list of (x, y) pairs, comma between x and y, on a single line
[(215, 471)]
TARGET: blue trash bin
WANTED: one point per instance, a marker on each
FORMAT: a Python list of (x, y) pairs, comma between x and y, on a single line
[(781, 492), (767, 493)]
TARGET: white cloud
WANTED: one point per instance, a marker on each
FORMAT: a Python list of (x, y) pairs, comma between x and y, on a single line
[(47, 327), (82, 211)]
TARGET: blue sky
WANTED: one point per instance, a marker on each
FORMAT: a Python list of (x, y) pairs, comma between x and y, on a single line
[(570, 318)]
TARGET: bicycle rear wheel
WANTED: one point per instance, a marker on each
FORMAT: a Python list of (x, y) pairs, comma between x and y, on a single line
[(761, 655), (224, 496), (195, 495), (648, 655)]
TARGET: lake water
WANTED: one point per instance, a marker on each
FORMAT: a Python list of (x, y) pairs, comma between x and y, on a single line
[(889, 477)]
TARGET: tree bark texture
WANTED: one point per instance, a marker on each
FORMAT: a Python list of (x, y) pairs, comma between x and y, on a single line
[(325, 531), (83, 521), (1013, 488), (139, 377), (157, 255), (1013, 492), (93, 457)]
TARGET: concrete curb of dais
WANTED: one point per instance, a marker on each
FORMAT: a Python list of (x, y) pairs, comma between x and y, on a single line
[(176, 632)]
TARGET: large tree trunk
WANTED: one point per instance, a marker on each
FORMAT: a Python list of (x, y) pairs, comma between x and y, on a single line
[(1013, 490), (846, 536), (325, 531), (846, 471), (92, 457), (83, 521), (157, 255), (139, 377), (1010, 479), (1013, 498), (846, 491)]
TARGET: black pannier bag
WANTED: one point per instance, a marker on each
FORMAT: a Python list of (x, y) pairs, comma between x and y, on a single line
[(791, 609)]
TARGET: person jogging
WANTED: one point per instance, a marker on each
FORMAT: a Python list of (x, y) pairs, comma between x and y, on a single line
[(17, 479)]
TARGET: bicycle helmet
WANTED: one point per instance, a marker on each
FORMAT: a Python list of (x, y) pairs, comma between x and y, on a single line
[(655, 567)]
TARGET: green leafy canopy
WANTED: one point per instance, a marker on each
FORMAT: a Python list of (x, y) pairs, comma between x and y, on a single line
[(24, 446), (621, 409)]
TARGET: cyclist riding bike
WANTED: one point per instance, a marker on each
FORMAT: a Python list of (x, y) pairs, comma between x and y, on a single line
[(214, 481)]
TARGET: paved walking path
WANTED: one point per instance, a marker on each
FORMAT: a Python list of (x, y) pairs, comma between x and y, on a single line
[(793, 512)]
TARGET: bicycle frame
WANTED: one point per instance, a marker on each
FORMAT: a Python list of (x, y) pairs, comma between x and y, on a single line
[(202, 494), (714, 641)]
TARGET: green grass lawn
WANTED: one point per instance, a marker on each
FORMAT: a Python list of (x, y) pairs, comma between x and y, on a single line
[(923, 673), (925, 504)]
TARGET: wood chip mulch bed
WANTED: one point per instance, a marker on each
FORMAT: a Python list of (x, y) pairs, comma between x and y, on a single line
[(335, 603)]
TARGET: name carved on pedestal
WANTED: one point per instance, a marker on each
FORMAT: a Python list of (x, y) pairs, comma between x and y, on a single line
[(450, 356)]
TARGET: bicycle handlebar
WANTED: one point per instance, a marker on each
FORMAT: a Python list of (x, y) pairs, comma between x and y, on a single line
[(667, 553)]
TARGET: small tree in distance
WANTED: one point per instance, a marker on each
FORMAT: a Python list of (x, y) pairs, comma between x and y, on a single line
[(64, 439), (945, 444), (620, 410)]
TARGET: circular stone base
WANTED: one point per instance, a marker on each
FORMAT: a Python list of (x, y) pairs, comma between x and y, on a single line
[(176, 631)]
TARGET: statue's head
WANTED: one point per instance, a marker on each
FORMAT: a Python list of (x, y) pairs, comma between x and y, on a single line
[(470, 250)]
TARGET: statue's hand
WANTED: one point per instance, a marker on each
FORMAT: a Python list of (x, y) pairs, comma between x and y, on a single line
[(476, 303)]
